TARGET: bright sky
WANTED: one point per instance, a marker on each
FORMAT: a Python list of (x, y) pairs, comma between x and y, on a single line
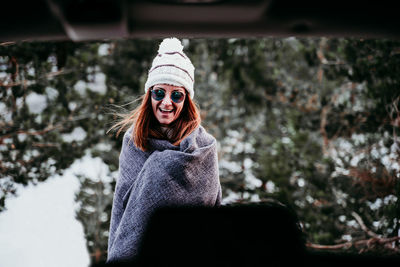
[(39, 228)]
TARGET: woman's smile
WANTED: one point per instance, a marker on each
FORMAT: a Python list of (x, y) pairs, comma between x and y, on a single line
[(165, 114), (166, 111)]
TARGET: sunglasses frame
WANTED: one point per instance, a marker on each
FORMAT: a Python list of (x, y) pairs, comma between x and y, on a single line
[(153, 95)]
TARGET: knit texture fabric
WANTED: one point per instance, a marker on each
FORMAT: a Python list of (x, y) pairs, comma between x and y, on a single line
[(167, 175), (171, 66)]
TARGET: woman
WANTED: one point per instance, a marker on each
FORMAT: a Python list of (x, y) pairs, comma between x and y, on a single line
[(167, 157)]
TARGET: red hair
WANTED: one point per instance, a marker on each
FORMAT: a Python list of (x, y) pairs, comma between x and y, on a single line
[(147, 126)]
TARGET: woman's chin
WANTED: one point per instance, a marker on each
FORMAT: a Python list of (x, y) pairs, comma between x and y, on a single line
[(165, 122)]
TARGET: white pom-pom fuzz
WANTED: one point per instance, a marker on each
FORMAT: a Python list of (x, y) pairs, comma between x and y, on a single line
[(170, 45)]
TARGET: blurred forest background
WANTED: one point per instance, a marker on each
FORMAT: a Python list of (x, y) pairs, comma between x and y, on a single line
[(312, 123)]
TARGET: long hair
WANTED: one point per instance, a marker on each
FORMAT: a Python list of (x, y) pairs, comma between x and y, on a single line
[(147, 126)]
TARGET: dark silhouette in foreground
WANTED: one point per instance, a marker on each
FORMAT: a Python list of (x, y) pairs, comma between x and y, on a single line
[(255, 234)]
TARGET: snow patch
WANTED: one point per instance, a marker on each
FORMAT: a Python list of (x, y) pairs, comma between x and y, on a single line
[(78, 134), (36, 103), (104, 50), (231, 197), (51, 93), (80, 87), (5, 112)]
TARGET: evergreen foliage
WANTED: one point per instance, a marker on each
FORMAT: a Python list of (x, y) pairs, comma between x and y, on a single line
[(312, 123)]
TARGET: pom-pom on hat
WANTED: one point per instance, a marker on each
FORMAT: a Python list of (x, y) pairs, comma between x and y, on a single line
[(171, 66)]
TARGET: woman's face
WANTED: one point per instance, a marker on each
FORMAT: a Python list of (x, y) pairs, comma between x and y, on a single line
[(166, 110)]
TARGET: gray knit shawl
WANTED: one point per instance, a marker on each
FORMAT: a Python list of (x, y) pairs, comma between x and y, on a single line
[(166, 175)]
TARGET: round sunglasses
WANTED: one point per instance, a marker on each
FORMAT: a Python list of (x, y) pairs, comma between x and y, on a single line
[(159, 94)]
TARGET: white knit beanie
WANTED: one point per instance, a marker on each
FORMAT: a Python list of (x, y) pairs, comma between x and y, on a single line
[(171, 66)]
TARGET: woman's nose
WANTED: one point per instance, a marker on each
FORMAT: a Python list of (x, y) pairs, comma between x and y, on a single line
[(167, 100)]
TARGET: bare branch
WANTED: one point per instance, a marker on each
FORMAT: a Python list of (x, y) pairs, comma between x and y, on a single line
[(30, 82), (323, 123), (347, 245), (10, 84), (7, 43), (45, 145), (55, 73), (329, 247), (363, 227), (389, 240), (47, 129)]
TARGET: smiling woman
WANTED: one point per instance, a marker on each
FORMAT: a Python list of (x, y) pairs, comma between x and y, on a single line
[(172, 159)]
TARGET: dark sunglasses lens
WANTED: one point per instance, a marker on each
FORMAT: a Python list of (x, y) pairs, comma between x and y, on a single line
[(177, 97), (157, 94)]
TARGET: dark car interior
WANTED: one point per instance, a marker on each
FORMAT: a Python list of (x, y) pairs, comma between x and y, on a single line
[(202, 229), (80, 20)]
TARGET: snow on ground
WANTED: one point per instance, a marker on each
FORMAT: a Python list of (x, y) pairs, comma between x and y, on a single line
[(39, 226)]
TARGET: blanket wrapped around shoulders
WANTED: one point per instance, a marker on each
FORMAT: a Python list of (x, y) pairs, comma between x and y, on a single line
[(165, 175)]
